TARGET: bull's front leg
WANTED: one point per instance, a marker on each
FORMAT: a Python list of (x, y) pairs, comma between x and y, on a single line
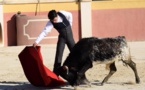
[(84, 80), (81, 78)]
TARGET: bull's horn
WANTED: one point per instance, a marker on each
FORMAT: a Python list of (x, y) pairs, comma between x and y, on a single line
[(66, 68)]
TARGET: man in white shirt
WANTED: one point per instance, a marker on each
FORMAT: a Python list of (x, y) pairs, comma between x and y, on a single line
[(62, 22)]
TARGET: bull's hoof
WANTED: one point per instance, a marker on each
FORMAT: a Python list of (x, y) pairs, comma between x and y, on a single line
[(138, 81), (101, 84), (85, 82)]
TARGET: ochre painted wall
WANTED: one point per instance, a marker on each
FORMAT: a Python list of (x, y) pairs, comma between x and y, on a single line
[(10, 32), (109, 18)]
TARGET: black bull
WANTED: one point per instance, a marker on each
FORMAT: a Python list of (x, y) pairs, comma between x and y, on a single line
[(94, 50)]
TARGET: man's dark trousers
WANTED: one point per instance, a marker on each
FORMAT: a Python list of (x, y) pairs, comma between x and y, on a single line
[(65, 37)]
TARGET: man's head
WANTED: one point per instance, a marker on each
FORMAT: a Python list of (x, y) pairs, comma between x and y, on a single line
[(52, 15)]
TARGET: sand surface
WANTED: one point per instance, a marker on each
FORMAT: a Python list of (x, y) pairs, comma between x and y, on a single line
[(12, 76)]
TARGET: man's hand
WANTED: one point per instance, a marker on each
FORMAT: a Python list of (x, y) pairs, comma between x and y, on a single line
[(35, 44)]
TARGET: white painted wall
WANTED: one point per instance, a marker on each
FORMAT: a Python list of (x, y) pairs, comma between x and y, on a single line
[(86, 19)]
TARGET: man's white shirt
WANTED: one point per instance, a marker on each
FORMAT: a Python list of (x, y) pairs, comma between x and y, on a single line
[(49, 25)]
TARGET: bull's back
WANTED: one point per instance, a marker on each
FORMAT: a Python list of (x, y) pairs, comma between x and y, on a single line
[(117, 49), (105, 50)]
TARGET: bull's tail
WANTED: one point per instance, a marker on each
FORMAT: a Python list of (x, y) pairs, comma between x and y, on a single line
[(124, 63)]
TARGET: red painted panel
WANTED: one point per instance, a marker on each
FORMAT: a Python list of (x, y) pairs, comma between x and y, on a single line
[(127, 22), (10, 29)]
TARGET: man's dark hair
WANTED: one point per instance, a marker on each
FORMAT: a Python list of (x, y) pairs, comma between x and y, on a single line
[(52, 14)]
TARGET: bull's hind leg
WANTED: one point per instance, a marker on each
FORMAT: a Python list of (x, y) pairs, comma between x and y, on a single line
[(133, 67), (112, 71)]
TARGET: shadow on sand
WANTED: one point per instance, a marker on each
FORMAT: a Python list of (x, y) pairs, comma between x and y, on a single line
[(27, 86), (98, 83)]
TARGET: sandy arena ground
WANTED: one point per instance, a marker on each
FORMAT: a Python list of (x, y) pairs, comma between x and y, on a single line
[(12, 76)]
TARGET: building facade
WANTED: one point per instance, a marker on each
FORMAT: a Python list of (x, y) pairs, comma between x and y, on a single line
[(21, 21)]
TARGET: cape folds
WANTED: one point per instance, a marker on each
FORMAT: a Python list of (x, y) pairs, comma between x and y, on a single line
[(34, 69)]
